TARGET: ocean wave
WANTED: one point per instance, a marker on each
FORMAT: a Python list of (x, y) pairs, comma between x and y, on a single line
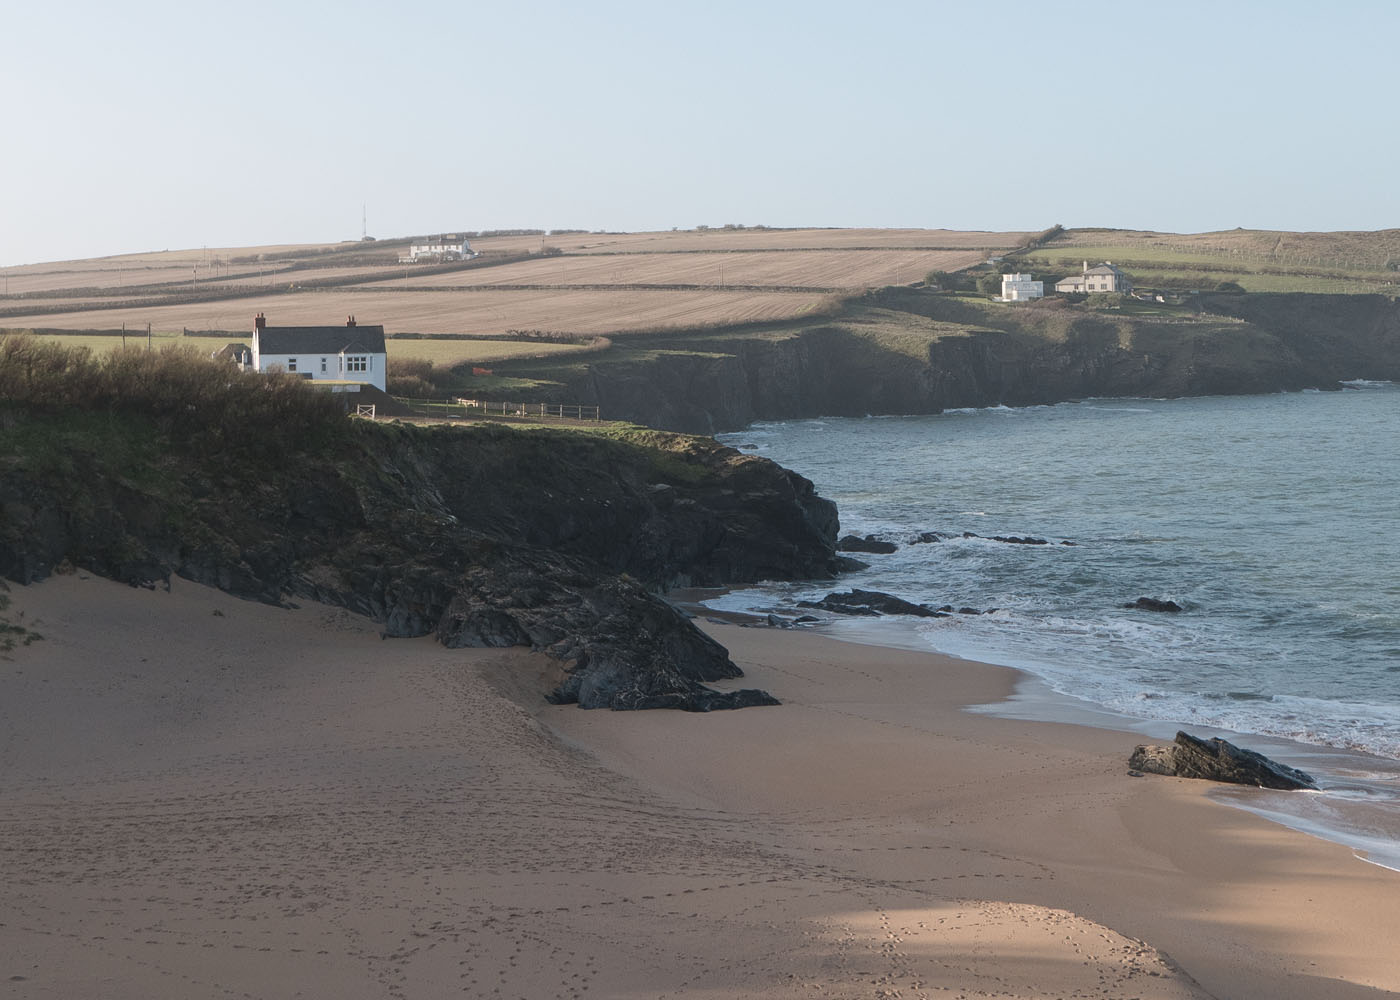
[(1269, 518)]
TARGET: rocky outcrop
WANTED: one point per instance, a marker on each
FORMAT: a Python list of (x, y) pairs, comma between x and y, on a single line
[(871, 544), (480, 536), (1153, 604), (1217, 760), (871, 604)]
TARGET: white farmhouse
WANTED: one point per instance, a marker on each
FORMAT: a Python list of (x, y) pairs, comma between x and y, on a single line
[(1020, 288), (1103, 278), (448, 246), (343, 357)]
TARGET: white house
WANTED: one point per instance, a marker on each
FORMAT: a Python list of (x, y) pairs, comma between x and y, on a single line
[(1104, 278), (344, 357), (1020, 288), (448, 246)]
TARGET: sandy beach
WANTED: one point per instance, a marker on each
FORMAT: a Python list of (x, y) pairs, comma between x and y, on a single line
[(205, 797)]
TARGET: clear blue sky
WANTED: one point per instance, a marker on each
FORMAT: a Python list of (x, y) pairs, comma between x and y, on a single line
[(152, 125)]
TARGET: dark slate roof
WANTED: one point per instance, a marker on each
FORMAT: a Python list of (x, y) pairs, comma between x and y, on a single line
[(321, 340), (234, 352)]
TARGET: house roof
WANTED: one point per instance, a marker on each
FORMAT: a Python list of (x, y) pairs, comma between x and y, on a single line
[(1103, 269), (233, 352), (321, 340)]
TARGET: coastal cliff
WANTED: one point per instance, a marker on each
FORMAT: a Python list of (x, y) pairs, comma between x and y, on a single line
[(909, 351), (482, 536)]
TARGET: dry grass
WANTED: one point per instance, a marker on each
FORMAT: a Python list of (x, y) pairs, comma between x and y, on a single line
[(159, 341), (122, 272), (403, 301), (449, 353), (1350, 250), (592, 285), (846, 269), (484, 312), (753, 239), (443, 353), (56, 278)]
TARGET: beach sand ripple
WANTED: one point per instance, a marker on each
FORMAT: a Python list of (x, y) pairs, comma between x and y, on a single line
[(211, 798)]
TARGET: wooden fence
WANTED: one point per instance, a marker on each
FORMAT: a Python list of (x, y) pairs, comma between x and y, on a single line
[(545, 411), (490, 407)]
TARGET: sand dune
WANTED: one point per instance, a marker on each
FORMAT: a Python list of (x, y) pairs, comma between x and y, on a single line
[(210, 798)]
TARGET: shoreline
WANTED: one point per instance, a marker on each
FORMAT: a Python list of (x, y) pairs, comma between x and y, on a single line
[(210, 796), (1362, 813), (1179, 840)]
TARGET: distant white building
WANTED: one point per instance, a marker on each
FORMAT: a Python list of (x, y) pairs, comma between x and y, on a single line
[(1020, 288), (1103, 278), (448, 246), (345, 357)]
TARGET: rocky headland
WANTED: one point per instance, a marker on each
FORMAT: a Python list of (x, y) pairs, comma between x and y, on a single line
[(481, 535), (909, 351)]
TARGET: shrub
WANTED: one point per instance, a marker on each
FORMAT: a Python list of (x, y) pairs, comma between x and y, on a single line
[(193, 399), (990, 284), (1043, 237), (410, 386)]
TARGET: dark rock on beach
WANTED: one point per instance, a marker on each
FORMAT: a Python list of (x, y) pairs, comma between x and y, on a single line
[(854, 543), (1218, 760), (871, 604), (1153, 604)]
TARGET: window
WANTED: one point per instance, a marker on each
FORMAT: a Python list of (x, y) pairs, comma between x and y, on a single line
[(291, 364), (323, 366), (357, 363)]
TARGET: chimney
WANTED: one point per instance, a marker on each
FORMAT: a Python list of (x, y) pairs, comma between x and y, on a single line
[(259, 322), (349, 320), (1086, 267)]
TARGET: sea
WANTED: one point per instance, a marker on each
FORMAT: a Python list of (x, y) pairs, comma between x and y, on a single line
[(1272, 521)]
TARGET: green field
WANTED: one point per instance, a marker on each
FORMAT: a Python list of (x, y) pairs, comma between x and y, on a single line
[(159, 340), (1151, 264), (441, 352), (449, 353)]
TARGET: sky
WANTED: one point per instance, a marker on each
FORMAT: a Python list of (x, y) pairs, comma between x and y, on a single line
[(153, 125)]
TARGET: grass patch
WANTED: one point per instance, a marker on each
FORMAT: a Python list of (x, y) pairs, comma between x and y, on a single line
[(468, 351), (1151, 264)]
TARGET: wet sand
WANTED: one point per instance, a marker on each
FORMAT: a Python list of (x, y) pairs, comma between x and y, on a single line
[(209, 798)]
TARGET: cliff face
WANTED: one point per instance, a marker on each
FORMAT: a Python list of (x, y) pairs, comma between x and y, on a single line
[(1241, 344), (481, 536)]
